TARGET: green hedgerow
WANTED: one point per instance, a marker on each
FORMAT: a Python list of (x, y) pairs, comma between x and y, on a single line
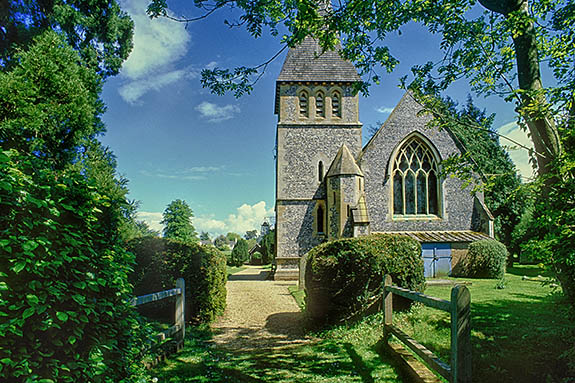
[(160, 261), (343, 277), (486, 258)]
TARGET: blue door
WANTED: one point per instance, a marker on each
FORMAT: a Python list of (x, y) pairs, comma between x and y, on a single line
[(436, 259)]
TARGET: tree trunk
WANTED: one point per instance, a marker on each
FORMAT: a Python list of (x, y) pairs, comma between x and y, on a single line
[(541, 125)]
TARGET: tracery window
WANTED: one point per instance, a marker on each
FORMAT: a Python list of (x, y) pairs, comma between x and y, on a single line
[(303, 100), (415, 179), (336, 104), (319, 104)]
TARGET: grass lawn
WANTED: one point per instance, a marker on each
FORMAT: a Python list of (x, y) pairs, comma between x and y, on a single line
[(233, 269), (341, 355), (518, 333)]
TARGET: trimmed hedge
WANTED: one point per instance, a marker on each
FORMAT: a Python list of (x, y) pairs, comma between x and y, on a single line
[(343, 277), (160, 261), (485, 259)]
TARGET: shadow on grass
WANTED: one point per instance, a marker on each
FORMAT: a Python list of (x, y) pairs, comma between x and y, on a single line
[(274, 354), (360, 366), (520, 340)]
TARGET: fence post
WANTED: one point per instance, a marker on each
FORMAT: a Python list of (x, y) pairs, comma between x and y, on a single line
[(387, 306), (460, 335), (180, 303)]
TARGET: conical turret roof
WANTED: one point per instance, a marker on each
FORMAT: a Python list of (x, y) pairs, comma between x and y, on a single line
[(344, 164)]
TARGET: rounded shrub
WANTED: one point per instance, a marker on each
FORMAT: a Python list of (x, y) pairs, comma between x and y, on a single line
[(344, 277), (160, 261), (485, 259)]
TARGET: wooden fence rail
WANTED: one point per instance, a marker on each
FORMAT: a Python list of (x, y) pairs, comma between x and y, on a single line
[(459, 308), (179, 327)]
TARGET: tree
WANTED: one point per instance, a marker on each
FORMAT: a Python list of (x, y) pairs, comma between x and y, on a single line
[(251, 234), (99, 30), (57, 117), (240, 253), (221, 242), (268, 247), (64, 292), (178, 222), (502, 185), (489, 42), (205, 236)]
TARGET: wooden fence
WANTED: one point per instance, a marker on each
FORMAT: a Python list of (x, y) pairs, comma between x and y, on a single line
[(179, 327), (459, 307)]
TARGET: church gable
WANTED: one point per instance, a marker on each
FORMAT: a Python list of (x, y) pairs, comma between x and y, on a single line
[(403, 189)]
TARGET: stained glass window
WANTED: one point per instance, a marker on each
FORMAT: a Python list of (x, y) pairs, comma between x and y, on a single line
[(415, 182)]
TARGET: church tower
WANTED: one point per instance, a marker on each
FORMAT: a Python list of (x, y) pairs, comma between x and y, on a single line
[(317, 110)]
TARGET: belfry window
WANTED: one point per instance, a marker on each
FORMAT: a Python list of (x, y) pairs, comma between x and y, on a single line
[(320, 171), (335, 104), (415, 180), (319, 105), (303, 101)]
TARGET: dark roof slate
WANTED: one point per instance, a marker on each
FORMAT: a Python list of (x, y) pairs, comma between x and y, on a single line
[(444, 236), (307, 63)]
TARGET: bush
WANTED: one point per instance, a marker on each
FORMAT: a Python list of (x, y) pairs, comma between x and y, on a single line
[(344, 277), (160, 261), (485, 259), (64, 294), (240, 253)]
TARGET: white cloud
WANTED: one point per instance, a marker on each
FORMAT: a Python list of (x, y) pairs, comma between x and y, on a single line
[(384, 110), (158, 44), (216, 113), (519, 155), (247, 217), (152, 219), (191, 174), (132, 91)]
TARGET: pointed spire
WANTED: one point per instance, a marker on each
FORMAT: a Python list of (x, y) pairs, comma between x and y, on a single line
[(344, 164)]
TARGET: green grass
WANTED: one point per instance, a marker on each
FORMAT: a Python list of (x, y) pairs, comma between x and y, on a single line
[(234, 269), (340, 355), (518, 333), (298, 295)]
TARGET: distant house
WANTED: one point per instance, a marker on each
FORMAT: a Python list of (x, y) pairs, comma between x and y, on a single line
[(328, 186)]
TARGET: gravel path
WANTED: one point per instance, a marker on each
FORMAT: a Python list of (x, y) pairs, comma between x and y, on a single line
[(260, 314)]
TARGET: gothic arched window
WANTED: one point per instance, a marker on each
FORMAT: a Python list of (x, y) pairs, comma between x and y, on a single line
[(319, 104), (415, 179), (320, 171), (303, 101), (335, 104)]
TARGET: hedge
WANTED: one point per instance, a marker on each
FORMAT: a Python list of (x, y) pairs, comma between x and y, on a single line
[(65, 314), (344, 277), (159, 262), (486, 258)]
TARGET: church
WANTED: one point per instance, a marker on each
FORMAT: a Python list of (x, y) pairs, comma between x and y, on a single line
[(329, 185)]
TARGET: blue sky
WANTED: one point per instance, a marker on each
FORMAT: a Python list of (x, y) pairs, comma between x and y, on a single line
[(175, 140)]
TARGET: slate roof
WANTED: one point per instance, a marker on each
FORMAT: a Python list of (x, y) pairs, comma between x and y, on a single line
[(307, 63), (444, 236), (343, 164)]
